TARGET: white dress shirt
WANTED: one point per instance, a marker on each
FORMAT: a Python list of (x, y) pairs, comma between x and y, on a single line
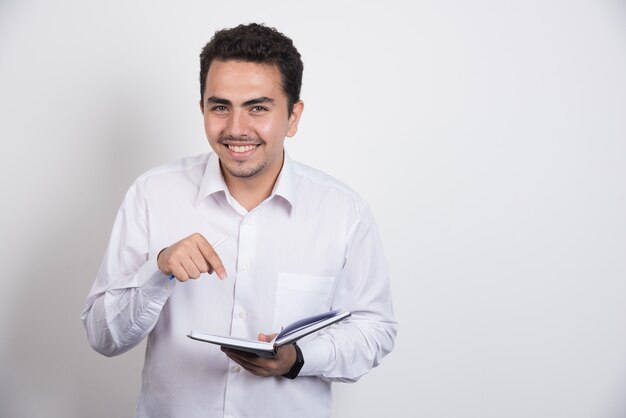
[(310, 247)]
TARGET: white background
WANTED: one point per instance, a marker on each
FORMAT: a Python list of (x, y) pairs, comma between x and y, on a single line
[(488, 136)]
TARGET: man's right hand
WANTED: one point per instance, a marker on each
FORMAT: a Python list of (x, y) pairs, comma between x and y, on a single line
[(189, 258)]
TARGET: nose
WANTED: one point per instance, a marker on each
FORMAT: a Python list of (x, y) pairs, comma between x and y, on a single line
[(238, 123)]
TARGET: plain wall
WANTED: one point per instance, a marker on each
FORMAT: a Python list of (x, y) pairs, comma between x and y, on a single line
[(489, 138)]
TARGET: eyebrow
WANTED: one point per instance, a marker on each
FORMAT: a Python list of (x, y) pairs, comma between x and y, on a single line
[(251, 102), (218, 100), (258, 100)]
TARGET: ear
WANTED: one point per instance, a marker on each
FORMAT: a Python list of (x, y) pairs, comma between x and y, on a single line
[(294, 119), (201, 106)]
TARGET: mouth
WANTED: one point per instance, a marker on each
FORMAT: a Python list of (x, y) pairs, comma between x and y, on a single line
[(241, 149)]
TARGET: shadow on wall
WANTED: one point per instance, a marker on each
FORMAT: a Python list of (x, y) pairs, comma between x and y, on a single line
[(53, 372)]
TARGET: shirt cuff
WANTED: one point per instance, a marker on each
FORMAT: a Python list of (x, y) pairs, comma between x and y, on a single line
[(151, 281), (318, 354)]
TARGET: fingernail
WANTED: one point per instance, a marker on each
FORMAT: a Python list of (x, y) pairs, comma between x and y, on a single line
[(222, 275)]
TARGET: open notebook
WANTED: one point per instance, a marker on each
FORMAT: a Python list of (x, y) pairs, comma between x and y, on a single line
[(289, 334)]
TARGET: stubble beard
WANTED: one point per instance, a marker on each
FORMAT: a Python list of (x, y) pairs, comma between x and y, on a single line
[(240, 171), (238, 168)]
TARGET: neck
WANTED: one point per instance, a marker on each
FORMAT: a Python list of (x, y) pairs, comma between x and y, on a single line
[(251, 191)]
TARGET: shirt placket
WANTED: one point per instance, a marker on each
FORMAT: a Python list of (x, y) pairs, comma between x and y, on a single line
[(242, 307)]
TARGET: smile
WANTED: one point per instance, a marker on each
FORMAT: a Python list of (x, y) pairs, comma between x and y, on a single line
[(241, 148)]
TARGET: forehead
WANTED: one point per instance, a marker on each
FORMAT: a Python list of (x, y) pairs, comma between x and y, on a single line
[(243, 78)]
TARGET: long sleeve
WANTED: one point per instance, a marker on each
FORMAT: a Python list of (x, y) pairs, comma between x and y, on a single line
[(310, 247), (130, 291), (352, 348)]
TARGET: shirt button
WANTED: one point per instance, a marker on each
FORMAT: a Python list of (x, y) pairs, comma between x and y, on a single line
[(236, 369), (244, 267), (250, 222), (242, 314)]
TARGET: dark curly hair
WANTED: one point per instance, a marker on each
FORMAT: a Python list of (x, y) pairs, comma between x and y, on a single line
[(256, 43)]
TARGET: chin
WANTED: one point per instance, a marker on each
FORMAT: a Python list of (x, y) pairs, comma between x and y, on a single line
[(244, 172)]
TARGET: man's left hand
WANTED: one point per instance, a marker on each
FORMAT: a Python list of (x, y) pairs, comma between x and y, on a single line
[(265, 367)]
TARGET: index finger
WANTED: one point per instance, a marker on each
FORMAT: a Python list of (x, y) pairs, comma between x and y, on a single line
[(209, 254)]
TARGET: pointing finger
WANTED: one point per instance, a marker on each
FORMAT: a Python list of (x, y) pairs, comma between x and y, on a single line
[(215, 263)]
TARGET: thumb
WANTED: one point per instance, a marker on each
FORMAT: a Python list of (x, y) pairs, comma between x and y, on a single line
[(266, 337)]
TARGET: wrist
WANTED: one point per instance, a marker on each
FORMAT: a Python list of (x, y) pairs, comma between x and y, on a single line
[(297, 365), (157, 260)]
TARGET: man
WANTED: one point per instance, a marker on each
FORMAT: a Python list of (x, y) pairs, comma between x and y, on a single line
[(297, 243)]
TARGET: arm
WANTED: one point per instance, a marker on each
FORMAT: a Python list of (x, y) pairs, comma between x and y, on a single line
[(132, 285), (130, 291), (349, 350)]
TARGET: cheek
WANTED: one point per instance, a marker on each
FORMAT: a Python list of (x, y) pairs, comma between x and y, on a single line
[(271, 128), (211, 129)]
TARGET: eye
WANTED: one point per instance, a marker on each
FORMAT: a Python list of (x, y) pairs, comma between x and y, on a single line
[(258, 109), (219, 109)]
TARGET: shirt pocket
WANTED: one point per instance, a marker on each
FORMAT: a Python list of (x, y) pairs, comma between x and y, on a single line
[(299, 296)]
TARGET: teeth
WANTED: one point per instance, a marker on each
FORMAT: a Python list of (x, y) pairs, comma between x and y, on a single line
[(244, 148)]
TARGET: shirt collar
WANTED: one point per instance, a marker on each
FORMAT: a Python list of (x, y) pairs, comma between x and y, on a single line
[(285, 186), (213, 181)]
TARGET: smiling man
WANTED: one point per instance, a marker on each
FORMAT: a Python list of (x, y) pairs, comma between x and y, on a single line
[(298, 243), (247, 116)]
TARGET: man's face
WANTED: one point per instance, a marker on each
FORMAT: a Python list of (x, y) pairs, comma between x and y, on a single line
[(246, 118)]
